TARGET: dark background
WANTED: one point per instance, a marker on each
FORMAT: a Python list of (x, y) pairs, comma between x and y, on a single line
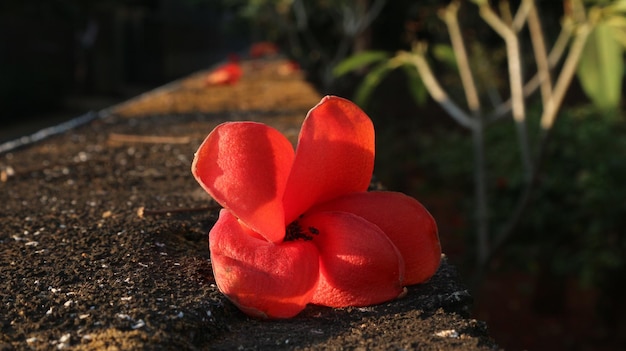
[(61, 58)]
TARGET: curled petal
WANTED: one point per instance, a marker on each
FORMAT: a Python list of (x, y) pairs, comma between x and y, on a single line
[(263, 279), (407, 223), (335, 155), (244, 166), (359, 265)]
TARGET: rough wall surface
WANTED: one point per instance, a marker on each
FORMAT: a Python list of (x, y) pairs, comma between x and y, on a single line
[(103, 239)]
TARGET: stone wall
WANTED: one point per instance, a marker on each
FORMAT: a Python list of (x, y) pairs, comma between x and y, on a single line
[(104, 244)]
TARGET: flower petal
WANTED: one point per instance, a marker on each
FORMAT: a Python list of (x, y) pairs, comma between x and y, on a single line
[(229, 73), (335, 155), (244, 166), (407, 223), (263, 279), (359, 265)]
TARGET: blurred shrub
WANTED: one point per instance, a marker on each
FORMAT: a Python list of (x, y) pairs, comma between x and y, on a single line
[(576, 221)]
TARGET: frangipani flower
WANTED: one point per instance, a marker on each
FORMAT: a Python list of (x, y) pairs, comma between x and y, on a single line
[(299, 226), (263, 49), (226, 74)]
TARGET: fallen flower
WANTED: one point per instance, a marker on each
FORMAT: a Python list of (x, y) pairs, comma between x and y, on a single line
[(299, 226), (288, 67), (263, 49), (228, 73)]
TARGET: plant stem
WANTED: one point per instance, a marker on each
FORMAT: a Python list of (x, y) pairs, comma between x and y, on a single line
[(450, 17), (436, 91), (565, 77), (531, 86), (476, 126), (480, 192), (541, 57), (547, 122), (522, 14), (515, 81)]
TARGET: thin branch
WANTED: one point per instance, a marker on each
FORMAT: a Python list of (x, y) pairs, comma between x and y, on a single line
[(436, 91), (371, 14), (531, 86), (560, 44), (547, 121), (147, 139), (299, 10), (301, 15), (541, 57), (522, 14), (450, 17), (354, 23), (578, 12), (565, 77), (515, 80), (480, 189), (142, 211), (495, 22), (504, 6)]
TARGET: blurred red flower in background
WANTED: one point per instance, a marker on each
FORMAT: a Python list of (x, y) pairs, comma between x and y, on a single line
[(226, 74)]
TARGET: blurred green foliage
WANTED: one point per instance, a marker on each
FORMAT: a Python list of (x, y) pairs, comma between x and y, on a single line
[(576, 221), (600, 70), (601, 67)]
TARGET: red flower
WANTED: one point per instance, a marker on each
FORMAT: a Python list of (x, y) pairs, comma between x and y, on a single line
[(288, 68), (300, 227), (228, 73), (263, 49)]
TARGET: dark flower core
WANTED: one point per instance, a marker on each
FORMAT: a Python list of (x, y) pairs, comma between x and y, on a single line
[(295, 232)]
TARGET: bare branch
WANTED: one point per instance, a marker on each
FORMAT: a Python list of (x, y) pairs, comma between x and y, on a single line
[(561, 43), (504, 6), (450, 17), (371, 14), (300, 14), (531, 86), (142, 211), (147, 139), (436, 91), (565, 78), (480, 191), (547, 121), (515, 81), (495, 22), (522, 14), (541, 57)]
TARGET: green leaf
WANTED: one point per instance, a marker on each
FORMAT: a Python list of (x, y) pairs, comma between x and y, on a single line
[(617, 6), (370, 82), (616, 21), (601, 67), (416, 86), (359, 61), (445, 53), (618, 25)]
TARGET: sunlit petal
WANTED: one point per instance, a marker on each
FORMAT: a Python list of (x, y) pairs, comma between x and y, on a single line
[(229, 73), (244, 166), (407, 223), (263, 279), (359, 265), (335, 155)]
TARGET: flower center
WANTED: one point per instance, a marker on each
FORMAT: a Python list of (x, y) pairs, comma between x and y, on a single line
[(296, 232)]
